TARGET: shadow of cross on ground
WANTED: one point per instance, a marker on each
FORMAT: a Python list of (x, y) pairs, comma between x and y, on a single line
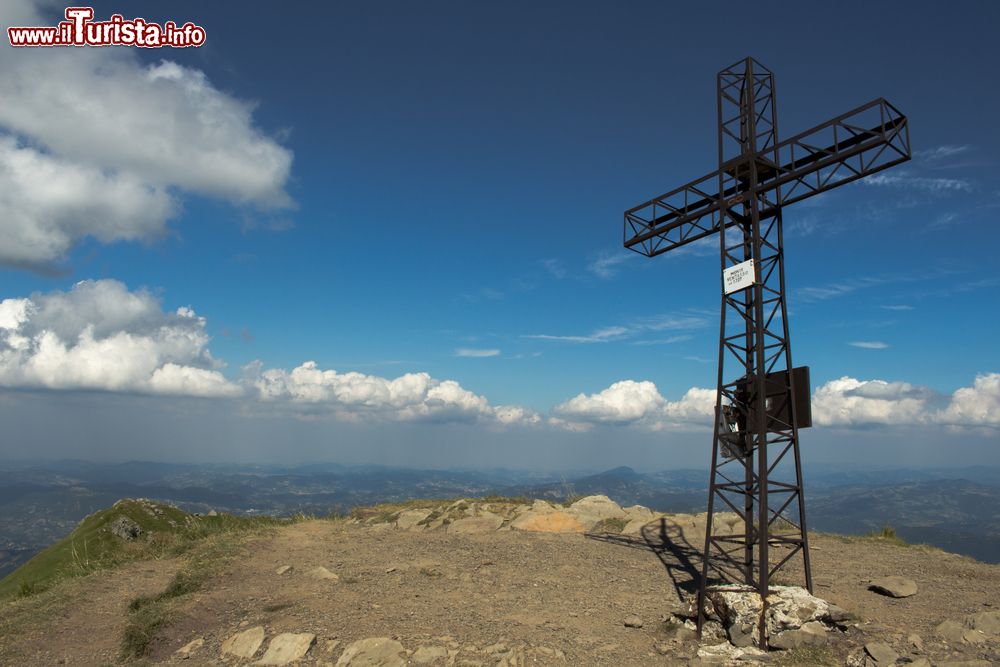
[(665, 538), (669, 539)]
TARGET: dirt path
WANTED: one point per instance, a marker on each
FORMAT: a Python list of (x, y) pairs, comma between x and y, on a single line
[(81, 621)]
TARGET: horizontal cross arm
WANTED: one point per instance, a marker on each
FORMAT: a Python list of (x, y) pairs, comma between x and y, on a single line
[(859, 143)]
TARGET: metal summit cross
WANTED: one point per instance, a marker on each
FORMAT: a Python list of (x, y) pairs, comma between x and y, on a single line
[(762, 402)]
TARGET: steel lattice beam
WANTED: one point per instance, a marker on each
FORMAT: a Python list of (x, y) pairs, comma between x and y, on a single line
[(859, 143)]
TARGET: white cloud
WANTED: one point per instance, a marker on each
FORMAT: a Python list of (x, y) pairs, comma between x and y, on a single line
[(899, 307), (476, 352), (845, 402), (851, 402), (633, 403), (47, 204), (669, 340), (935, 185), (604, 335), (621, 332), (555, 267), (606, 266), (101, 336), (410, 397), (940, 152), (869, 344), (112, 142), (978, 405)]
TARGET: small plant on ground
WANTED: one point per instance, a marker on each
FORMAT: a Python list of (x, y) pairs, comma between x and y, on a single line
[(888, 534)]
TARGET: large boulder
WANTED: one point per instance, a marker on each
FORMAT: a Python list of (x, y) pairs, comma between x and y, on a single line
[(591, 510)]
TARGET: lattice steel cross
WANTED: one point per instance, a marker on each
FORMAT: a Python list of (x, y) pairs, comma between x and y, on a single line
[(742, 201)]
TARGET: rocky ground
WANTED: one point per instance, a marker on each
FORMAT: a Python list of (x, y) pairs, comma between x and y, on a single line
[(478, 583)]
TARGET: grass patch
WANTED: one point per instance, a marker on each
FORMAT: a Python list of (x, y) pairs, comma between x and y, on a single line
[(166, 531), (887, 534), (141, 629)]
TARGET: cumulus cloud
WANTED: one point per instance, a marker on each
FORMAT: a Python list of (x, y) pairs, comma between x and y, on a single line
[(48, 203), (410, 397), (844, 402), (99, 144), (851, 402), (978, 405), (633, 403), (101, 336)]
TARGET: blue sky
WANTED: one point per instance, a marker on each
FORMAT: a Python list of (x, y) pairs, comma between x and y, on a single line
[(453, 206)]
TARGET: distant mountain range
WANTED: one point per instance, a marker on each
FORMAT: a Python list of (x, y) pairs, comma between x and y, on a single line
[(955, 509)]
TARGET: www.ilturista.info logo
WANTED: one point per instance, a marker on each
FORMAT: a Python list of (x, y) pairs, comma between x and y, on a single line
[(79, 29)]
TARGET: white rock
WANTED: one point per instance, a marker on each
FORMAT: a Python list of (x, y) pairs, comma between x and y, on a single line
[(410, 519), (244, 644), (373, 652), (283, 569), (287, 647)]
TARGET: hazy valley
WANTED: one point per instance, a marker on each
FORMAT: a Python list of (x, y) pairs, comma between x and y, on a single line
[(954, 509)]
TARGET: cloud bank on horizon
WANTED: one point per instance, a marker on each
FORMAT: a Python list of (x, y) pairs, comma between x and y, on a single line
[(101, 336)]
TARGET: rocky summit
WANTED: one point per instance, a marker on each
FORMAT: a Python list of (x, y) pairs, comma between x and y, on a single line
[(502, 583)]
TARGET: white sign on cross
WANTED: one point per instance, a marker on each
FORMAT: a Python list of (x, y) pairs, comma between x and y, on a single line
[(739, 276)]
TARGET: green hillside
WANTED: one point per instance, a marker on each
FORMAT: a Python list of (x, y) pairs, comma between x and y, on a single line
[(149, 529)]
